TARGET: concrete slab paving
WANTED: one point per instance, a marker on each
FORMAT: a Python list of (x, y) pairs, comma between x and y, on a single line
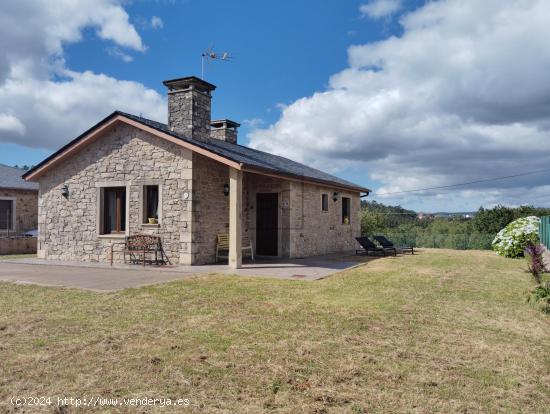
[(102, 277)]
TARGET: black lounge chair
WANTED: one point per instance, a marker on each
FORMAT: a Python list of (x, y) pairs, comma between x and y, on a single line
[(388, 244), (368, 246)]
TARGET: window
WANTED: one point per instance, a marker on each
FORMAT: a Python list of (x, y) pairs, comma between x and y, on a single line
[(324, 202), (6, 214), (150, 204), (114, 210), (345, 210)]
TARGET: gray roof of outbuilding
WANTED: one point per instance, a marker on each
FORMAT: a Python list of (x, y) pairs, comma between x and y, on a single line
[(10, 177), (251, 157)]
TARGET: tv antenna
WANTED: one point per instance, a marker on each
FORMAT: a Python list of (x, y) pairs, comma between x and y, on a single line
[(209, 55)]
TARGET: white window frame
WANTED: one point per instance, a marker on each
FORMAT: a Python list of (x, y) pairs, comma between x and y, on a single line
[(13, 212)]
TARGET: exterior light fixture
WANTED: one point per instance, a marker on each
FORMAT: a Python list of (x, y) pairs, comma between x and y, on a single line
[(65, 191), (226, 190), (335, 196)]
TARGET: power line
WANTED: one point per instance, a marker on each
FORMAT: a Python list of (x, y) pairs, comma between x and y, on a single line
[(483, 180)]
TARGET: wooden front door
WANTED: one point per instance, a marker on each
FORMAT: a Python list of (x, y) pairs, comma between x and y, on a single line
[(267, 224)]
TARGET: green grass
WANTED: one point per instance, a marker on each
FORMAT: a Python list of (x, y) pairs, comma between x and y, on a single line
[(442, 331)]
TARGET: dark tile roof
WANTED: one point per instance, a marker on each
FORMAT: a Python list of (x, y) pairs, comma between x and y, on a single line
[(10, 177), (252, 158), (248, 157)]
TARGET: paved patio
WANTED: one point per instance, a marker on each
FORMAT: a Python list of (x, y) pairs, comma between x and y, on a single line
[(104, 278)]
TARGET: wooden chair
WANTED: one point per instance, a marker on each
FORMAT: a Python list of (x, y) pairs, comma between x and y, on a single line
[(222, 247)]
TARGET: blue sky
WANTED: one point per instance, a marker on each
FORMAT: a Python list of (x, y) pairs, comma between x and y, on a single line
[(282, 52), (391, 94)]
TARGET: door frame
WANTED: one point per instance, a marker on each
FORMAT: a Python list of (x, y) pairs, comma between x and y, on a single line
[(277, 193)]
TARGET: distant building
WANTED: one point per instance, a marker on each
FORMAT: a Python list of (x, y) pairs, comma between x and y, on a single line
[(18, 202)]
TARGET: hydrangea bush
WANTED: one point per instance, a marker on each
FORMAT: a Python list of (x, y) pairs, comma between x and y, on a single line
[(512, 240)]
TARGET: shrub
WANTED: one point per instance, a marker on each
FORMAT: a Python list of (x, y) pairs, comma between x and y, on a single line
[(512, 240), (539, 297), (536, 266)]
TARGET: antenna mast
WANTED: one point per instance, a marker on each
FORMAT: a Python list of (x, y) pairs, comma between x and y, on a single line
[(210, 55)]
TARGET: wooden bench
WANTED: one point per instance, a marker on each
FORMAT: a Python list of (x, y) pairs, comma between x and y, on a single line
[(222, 247), (139, 246)]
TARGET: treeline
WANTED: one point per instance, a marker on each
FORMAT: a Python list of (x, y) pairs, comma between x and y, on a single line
[(456, 232)]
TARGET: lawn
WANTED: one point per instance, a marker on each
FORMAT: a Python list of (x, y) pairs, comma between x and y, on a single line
[(441, 331)]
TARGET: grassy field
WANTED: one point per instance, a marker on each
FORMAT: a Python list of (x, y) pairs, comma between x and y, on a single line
[(442, 331)]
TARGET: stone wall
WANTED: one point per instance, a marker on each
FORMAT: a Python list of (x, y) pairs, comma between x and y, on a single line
[(304, 229), (125, 156), (189, 113), (210, 207), (314, 231), (224, 134), (17, 245), (26, 208)]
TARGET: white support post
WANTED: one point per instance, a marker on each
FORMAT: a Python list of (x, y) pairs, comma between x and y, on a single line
[(235, 218)]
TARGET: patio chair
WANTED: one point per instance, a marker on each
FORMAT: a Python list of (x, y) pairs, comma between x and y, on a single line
[(222, 247), (389, 244), (369, 246)]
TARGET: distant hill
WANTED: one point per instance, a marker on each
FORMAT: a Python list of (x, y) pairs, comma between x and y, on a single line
[(465, 214)]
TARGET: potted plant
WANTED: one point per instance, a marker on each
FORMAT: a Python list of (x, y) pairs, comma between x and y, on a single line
[(153, 220), (346, 220)]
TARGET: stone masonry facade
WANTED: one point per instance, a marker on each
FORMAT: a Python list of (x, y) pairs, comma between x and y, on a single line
[(26, 208), (313, 231), (125, 157), (189, 113), (193, 207)]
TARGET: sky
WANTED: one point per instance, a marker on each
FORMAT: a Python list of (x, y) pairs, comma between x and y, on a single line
[(395, 95)]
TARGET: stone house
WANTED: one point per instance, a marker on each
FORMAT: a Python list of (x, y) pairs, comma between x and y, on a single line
[(186, 181), (18, 202)]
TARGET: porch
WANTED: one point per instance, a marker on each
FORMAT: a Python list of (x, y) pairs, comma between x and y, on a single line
[(103, 278)]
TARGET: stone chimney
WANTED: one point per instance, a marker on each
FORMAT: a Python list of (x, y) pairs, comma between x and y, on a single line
[(224, 130), (189, 106)]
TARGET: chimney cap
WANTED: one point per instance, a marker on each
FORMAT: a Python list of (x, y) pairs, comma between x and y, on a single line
[(224, 123), (187, 82)]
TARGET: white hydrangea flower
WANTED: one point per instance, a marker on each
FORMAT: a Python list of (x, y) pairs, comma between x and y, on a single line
[(512, 240)]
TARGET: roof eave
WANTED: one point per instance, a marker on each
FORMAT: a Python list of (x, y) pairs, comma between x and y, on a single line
[(19, 188), (266, 171)]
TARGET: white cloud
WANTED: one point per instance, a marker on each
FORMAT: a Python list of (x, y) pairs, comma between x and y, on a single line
[(253, 122), (377, 9), (156, 22), (461, 95), (10, 123), (118, 53), (46, 102)]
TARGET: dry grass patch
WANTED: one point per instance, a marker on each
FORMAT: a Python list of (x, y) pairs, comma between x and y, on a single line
[(441, 331)]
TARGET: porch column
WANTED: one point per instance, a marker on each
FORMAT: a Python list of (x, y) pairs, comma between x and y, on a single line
[(235, 218)]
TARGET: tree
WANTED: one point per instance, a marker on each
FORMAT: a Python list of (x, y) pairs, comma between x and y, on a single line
[(493, 220)]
